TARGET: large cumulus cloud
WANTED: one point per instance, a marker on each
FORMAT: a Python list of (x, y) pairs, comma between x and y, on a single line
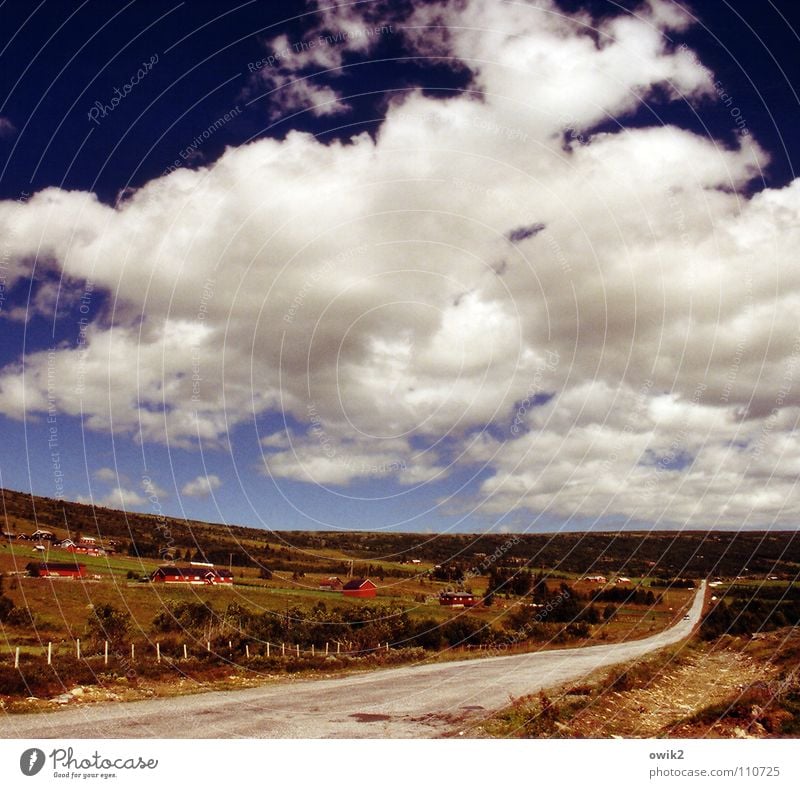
[(614, 306)]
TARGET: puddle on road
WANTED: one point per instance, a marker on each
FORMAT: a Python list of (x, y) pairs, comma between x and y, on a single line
[(370, 717)]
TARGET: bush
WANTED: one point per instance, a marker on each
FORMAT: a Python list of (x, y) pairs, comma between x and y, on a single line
[(6, 607), (194, 617), (108, 623)]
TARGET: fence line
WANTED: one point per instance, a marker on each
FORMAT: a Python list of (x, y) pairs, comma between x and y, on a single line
[(268, 650)]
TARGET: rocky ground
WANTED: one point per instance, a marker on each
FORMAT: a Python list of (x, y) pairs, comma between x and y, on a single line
[(736, 688)]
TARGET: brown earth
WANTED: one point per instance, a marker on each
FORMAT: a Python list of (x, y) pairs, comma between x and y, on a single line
[(735, 688), (692, 684)]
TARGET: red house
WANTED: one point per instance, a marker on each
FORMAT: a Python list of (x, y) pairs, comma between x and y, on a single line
[(56, 570), (360, 587), (193, 575), (458, 599), (83, 548)]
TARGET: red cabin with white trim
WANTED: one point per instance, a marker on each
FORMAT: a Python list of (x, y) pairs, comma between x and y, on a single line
[(361, 587), (192, 575)]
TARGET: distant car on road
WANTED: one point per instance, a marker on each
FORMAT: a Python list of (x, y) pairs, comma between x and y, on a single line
[(686, 617)]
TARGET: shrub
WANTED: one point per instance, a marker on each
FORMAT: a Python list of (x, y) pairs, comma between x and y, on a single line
[(185, 616), (6, 607), (108, 623)]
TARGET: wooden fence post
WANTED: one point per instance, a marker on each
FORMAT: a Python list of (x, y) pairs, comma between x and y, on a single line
[(49, 653), (208, 646), (185, 653), (158, 652), (247, 650), (313, 654), (267, 648), (78, 648), (16, 657), (326, 648), (298, 649), (338, 646), (283, 649), (133, 652), (105, 652)]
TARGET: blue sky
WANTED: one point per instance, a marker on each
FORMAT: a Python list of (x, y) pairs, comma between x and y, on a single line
[(410, 266)]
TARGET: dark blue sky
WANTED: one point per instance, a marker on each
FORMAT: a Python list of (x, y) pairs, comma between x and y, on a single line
[(58, 58)]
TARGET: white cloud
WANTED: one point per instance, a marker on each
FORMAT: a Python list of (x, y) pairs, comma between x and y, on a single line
[(117, 498), (7, 128), (294, 75), (105, 475), (370, 288), (201, 486)]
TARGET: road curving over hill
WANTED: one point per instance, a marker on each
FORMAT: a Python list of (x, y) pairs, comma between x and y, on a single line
[(409, 702)]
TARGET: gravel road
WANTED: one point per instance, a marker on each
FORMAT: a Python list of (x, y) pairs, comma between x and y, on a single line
[(410, 702)]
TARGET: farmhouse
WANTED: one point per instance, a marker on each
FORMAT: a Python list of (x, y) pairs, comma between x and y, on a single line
[(360, 587), (85, 548), (42, 534), (595, 579), (55, 570), (193, 575), (331, 584), (458, 599)]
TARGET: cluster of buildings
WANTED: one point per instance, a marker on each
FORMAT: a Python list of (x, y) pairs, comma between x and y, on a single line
[(458, 599), (359, 587), (86, 545), (364, 588), (196, 574), (56, 569)]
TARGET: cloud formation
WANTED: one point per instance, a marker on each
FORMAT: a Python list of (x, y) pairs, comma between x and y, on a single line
[(488, 260), (201, 486), (7, 128)]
